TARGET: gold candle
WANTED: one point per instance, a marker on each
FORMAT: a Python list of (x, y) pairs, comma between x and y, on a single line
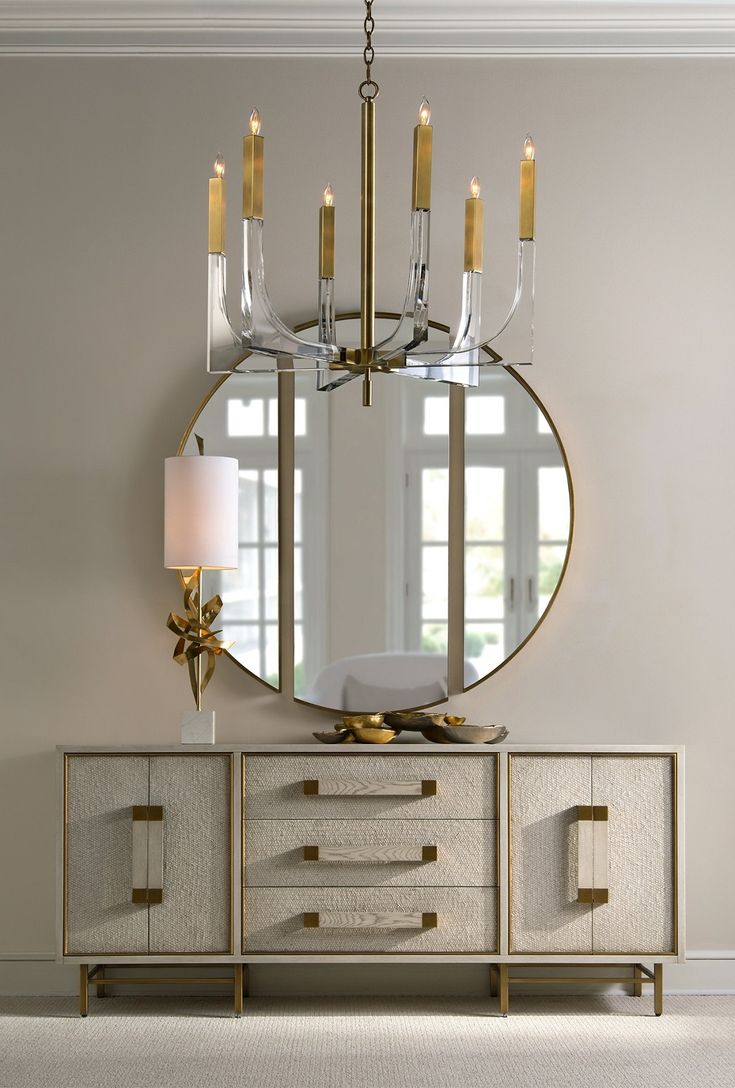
[(526, 213), (422, 141), (326, 235), (217, 207), (252, 170), (474, 223)]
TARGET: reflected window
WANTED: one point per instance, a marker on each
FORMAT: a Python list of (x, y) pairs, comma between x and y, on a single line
[(484, 414), (436, 415), (516, 521), (245, 418)]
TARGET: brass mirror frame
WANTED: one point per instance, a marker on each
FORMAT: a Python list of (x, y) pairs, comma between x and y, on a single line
[(286, 443)]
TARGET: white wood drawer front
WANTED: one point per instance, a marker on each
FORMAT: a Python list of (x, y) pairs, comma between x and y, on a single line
[(364, 920), (392, 787), (390, 853)]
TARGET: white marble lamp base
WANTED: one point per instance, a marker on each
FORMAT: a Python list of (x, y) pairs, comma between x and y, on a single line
[(197, 727)]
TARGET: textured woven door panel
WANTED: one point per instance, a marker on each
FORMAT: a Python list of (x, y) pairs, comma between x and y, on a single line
[(195, 915), (466, 855), (544, 913), (274, 920), (274, 786), (639, 793), (100, 793)]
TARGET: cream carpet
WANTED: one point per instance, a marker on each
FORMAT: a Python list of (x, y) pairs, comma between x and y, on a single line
[(185, 1042)]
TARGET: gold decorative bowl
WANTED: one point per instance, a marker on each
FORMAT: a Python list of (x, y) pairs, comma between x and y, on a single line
[(466, 734), (359, 721), (336, 737), (373, 734), (415, 720), (454, 719)]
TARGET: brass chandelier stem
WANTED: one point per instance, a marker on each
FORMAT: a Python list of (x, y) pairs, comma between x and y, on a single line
[(368, 91), (367, 246)]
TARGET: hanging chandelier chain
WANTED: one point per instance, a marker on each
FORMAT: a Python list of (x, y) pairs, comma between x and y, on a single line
[(368, 88)]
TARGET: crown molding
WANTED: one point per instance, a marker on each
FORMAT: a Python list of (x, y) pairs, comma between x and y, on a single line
[(453, 28)]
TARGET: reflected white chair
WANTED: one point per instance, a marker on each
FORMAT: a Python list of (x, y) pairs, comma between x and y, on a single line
[(375, 682)]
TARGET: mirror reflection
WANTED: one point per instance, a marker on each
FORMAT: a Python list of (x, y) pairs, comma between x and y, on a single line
[(430, 533), (240, 419)]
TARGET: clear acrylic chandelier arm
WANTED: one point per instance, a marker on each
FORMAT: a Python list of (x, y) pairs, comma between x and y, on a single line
[(464, 357), (326, 379), (224, 349), (413, 323), (262, 329), (518, 322)]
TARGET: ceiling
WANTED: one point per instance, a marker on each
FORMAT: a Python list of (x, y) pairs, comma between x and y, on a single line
[(334, 27)]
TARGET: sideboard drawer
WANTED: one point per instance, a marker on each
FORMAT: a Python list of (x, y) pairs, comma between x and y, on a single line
[(392, 787), (365, 920), (390, 853)]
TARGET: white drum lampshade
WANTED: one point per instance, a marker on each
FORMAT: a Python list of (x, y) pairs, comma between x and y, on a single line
[(201, 513)]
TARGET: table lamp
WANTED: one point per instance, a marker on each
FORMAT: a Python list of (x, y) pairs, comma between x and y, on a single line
[(200, 533)]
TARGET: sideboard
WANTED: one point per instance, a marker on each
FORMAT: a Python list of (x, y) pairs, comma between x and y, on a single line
[(513, 856)]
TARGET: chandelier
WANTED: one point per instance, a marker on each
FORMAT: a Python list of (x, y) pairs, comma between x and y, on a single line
[(265, 344)]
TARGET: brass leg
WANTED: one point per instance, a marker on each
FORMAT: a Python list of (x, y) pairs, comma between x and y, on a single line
[(238, 990), (493, 980), (101, 991), (245, 980), (658, 988), (83, 989), (503, 988), (637, 987)]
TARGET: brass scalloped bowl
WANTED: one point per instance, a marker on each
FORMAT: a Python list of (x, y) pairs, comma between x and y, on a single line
[(411, 720), (467, 734), (373, 735), (361, 721), (335, 737)]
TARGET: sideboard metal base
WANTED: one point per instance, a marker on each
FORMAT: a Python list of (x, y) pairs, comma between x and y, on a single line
[(501, 979), (99, 977)]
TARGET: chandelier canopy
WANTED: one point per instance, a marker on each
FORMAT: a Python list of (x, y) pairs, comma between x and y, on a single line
[(265, 344)]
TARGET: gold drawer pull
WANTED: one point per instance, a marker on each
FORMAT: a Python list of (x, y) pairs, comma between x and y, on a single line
[(383, 854), (592, 854), (147, 854), (365, 920), (357, 787)]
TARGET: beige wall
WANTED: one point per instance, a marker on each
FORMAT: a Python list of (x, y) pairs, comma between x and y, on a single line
[(102, 322)]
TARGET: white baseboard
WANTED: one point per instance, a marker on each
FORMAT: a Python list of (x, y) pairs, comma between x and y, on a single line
[(36, 973)]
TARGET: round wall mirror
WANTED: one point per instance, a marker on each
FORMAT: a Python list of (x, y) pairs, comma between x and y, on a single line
[(389, 556)]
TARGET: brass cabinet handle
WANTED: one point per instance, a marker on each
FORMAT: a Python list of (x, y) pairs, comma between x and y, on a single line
[(383, 854), (147, 854), (592, 854), (367, 920), (357, 787), (140, 854)]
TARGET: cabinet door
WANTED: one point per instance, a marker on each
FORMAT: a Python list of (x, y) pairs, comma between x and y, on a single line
[(99, 916), (639, 792), (545, 916), (623, 856), (194, 792)]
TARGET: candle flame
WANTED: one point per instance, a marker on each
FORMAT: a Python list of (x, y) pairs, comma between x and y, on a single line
[(255, 123), (219, 166), (424, 112), (529, 149), (328, 196), (475, 187)]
